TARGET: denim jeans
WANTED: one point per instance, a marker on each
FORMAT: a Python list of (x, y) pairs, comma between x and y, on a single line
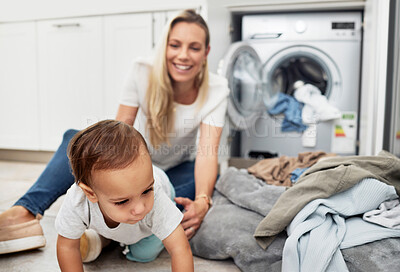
[(57, 178), (182, 178), (54, 181)]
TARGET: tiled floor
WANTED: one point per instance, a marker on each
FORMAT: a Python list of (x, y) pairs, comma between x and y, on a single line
[(16, 178)]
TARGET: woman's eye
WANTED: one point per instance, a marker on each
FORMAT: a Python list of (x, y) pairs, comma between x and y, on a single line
[(173, 45), (195, 48), (121, 202), (148, 191)]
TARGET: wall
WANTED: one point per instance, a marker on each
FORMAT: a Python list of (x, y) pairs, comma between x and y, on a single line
[(392, 116), (22, 10), (374, 70)]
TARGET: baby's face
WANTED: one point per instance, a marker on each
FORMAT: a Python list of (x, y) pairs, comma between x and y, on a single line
[(125, 195)]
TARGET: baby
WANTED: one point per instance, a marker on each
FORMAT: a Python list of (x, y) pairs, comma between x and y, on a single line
[(118, 195)]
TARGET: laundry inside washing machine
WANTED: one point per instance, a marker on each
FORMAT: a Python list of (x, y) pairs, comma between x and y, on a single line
[(299, 69), (274, 61), (303, 89)]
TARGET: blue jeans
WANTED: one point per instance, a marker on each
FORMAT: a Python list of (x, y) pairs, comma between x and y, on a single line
[(54, 181), (57, 178), (182, 178)]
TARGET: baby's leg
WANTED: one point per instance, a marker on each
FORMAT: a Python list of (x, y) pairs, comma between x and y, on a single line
[(146, 250)]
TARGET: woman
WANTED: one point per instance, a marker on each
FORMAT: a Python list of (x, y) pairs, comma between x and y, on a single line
[(168, 101)]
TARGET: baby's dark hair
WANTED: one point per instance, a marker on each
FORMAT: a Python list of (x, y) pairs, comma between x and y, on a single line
[(106, 145)]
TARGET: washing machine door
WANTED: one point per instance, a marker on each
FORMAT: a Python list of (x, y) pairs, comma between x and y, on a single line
[(305, 63), (242, 67)]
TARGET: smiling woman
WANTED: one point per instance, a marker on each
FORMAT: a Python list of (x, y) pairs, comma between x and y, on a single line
[(186, 55), (169, 100), (183, 51)]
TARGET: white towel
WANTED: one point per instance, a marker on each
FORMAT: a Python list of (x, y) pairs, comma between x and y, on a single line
[(387, 215), (316, 106)]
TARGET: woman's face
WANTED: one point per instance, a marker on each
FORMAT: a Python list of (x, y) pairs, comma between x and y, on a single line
[(186, 52)]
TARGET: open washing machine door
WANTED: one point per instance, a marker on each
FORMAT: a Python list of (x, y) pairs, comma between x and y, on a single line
[(242, 68), (302, 63)]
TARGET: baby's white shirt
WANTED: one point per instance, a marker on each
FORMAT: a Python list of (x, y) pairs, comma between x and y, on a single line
[(77, 214)]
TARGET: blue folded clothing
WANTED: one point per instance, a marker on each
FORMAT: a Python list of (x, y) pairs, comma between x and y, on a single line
[(291, 108)]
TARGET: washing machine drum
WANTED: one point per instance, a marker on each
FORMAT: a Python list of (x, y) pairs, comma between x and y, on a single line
[(298, 68), (255, 86)]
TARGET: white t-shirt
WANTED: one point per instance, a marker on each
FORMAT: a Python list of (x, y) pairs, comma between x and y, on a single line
[(187, 117), (77, 214)]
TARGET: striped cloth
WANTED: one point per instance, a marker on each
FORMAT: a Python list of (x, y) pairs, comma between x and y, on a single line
[(324, 226)]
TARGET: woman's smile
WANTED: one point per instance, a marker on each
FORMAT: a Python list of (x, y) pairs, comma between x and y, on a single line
[(183, 67), (186, 52)]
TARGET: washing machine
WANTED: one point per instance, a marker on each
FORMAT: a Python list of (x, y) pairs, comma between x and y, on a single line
[(322, 49)]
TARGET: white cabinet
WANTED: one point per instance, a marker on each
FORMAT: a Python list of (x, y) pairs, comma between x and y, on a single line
[(70, 76), (19, 122), (67, 73), (126, 38), (160, 19)]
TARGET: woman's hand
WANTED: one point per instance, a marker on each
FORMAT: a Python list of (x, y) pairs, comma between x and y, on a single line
[(194, 215)]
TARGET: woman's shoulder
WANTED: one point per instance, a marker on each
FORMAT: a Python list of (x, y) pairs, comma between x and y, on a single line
[(217, 80), (142, 62), (140, 68), (218, 83)]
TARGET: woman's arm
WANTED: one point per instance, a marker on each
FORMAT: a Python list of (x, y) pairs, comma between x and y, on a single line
[(69, 254), (178, 248), (206, 170), (206, 166), (127, 114)]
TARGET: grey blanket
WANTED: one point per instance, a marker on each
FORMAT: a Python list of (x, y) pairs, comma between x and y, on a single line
[(240, 203)]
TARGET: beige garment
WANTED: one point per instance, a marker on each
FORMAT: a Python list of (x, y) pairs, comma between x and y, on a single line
[(277, 171)]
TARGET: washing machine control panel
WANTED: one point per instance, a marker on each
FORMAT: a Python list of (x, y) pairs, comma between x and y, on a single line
[(344, 29), (343, 25), (300, 26), (303, 26)]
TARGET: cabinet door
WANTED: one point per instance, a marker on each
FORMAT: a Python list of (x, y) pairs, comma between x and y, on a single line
[(70, 76), (126, 38), (160, 19), (19, 123)]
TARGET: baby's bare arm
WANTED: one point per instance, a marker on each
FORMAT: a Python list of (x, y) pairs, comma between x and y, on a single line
[(178, 248), (69, 255)]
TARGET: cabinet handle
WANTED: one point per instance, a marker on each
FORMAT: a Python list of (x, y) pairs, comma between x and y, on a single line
[(66, 25)]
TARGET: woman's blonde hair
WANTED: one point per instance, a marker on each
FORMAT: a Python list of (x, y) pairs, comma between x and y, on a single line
[(160, 94)]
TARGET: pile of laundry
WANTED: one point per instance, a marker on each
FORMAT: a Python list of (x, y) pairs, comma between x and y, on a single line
[(306, 106), (349, 203), (285, 170)]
